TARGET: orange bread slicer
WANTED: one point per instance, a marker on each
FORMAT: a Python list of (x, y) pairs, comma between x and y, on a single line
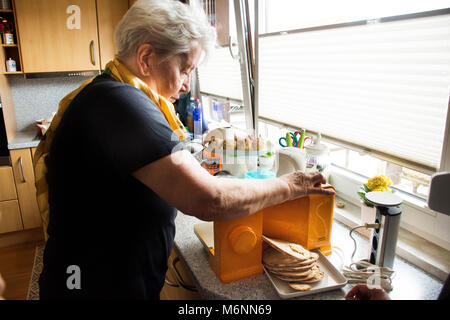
[(306, 221), (237, 252), (235, 246)]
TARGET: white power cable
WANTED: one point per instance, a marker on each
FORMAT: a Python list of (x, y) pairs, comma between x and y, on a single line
[(365, 272)]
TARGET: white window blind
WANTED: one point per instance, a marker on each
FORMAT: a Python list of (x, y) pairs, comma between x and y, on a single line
[(383, 86), (220, 75)]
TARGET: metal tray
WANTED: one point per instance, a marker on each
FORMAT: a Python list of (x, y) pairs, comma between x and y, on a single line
[(332, 280)]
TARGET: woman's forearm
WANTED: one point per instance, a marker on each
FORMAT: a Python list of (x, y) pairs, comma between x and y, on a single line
[(236, 198)]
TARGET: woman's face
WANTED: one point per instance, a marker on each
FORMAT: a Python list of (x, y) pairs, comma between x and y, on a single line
[(172, 77)]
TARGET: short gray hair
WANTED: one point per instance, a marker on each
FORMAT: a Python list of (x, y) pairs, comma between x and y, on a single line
[(168, 25)]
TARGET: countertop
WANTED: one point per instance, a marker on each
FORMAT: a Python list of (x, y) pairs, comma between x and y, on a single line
[(24, 139), (409, 282)]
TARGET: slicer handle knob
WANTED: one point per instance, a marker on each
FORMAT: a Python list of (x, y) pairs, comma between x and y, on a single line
[(242, 239)]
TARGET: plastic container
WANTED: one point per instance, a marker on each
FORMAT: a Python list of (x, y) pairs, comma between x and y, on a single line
[(8, 38), (197, 118), (11, 65), (190, 115), (318, 157), (262, 174), (238, 162)]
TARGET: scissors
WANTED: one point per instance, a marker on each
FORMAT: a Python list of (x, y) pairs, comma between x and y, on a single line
[(291, 139)]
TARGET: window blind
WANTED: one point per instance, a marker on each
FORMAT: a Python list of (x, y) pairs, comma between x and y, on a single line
[(382, 86), (220, 75)]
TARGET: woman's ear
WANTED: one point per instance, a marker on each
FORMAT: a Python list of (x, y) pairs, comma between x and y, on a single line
[(144, 56)]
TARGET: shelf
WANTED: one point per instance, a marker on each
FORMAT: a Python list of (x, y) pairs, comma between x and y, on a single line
[(9, 45), (15, 72), (6, 10)]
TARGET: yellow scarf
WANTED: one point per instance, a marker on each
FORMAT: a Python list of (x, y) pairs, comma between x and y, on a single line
[(120, 73)]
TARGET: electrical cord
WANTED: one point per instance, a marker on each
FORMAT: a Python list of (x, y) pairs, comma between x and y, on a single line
[(365, 272)]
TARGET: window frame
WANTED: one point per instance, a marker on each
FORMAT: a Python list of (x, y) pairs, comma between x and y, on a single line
[(417, 217)]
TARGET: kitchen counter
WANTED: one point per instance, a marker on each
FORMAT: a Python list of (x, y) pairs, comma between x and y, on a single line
[(409, 282), (24, 139)]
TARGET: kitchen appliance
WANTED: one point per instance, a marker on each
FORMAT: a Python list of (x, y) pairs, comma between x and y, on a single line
[(384, 238), (235, 247), (307, 221)]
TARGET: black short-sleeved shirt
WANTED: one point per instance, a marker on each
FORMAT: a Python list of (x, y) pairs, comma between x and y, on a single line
[(117, 231)]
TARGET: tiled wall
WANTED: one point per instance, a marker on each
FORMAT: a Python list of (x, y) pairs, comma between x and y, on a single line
[(37, 98)]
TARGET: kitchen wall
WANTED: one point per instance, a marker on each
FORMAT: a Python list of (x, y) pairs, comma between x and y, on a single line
[(37, 98)]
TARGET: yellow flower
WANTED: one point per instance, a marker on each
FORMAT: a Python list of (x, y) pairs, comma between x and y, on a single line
[(379, 183)]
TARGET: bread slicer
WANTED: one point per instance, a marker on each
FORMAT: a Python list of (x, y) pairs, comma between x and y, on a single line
[(307, 221), (235, 247)]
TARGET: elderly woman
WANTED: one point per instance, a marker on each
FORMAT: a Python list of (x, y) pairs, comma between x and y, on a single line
[(116, 175)]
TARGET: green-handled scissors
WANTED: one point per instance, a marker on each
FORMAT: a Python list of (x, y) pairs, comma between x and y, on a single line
[(290, 140)]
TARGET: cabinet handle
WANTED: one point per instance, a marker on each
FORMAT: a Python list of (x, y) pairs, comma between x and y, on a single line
[(179, 278), (92, 51), (21, 169), (170, 283)]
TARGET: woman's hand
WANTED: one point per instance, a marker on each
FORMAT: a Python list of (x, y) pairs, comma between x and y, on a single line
[(302, 184), (364, 292)]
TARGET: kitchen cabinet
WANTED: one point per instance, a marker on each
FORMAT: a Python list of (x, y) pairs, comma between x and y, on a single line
[(10, 50), (58, 35), (10, 219), (109, 14), (179, 283), (23, 172), (63, 35), (7, 186)]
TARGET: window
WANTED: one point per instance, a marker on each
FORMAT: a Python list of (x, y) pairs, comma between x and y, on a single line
[(281, 15), (220, 76), (382, 87), (372, 78)]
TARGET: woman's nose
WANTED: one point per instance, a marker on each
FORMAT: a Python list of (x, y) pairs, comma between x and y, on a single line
[(186, 86)]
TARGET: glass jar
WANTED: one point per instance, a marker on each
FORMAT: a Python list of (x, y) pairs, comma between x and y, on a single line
[(318, 158)]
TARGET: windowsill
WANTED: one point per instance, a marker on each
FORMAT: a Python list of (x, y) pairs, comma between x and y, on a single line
[(414, 249)]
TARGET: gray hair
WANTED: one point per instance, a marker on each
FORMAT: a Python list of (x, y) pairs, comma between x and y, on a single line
[(169, 26)]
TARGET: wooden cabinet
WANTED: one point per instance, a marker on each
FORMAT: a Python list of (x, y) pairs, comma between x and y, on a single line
[(10, 218), (109, 14), (22, 167), (179, 284), (7, 186), (10, 50), (66, 35), (18, 205), (58, 35)]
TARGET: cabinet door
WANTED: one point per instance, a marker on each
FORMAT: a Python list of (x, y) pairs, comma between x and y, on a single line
[(7, 186), (169, 292), (10, 216), (26, 189), (58, 35), (109, 13)]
